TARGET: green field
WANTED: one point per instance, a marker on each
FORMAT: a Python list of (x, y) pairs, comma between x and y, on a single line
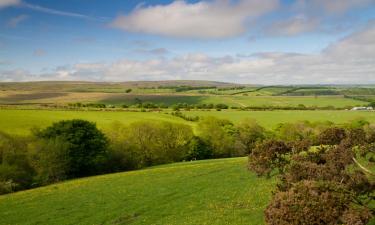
[(203, 192), (21, 121), (170, 99)]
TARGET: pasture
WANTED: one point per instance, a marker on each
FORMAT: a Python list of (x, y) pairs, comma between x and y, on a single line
[(219, 191), (21, 121), (16, 97)]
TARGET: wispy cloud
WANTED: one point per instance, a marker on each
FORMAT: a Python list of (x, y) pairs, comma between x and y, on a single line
[(59, 12), (13, 22), (39, 52), (19, 3)]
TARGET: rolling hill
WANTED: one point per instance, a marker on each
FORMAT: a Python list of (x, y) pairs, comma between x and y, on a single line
[(219, 191)]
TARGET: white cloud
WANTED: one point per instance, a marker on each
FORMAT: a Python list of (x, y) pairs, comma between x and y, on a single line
[(204, 19), (349, 61), (316, 15), (8, 3)]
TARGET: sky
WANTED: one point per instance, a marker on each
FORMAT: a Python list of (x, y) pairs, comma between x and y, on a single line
[(242, 41)]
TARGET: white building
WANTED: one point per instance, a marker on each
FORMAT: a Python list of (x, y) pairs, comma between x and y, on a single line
[(362, 108)]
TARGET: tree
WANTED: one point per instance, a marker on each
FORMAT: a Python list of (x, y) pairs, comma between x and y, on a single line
[(249, 133), (50, 159), (198, 149), (16, 172), (87, 146), (219, 134), (158, 142)]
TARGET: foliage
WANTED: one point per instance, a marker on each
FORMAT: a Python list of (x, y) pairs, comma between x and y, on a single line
[(332, 136), (87, 145), (249, 133), (267, 156), (198, 149), (219, 134), (50, 158), (312, 202), (15, 170)]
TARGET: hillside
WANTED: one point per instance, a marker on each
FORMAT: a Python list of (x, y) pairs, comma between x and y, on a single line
[(202, 192)]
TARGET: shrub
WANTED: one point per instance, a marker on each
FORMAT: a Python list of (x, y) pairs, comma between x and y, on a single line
[(311, 202), (267, 156), (332, 136), (87, 146)]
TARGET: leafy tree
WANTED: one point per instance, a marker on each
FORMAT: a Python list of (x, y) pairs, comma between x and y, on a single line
[(219, 134), (87, 146), (198, 149), (16, 172), (158, 142), (50, 158), (249, 133)]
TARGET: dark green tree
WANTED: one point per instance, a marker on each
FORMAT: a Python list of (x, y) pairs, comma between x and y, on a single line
[(87, 146)]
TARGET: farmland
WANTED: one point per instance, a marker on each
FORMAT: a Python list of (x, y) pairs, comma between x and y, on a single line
[(21, 121), (203, 192), (190, 92), (127, 117)]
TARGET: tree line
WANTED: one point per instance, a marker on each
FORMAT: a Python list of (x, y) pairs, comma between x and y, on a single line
[(321, 166)]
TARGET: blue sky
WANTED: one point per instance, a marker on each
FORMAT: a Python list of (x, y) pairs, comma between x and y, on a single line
[(243, 41)]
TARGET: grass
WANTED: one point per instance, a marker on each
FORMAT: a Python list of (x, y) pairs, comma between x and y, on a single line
[(170, 98), (270, 119), (202, 192), (21, 121)]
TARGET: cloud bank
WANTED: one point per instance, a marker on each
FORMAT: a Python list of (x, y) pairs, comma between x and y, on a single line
[(205, 19), (348, 61)]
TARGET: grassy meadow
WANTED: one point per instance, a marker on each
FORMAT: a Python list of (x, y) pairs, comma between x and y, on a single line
[(21, 121), (203, 192)]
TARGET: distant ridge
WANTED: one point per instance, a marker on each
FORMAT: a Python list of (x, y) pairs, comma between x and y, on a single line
[(68, 85)]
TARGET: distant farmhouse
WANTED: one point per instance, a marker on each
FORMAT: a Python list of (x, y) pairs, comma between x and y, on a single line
[(362, 108)]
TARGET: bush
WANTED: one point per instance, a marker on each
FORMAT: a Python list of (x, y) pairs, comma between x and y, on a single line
[(87, 146), (311, 202), (267, 156), (332, 136)]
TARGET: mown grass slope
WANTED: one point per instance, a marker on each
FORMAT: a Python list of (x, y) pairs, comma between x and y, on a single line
[(203, 192)]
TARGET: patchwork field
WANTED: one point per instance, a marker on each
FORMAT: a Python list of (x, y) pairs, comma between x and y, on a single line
[(203, 192), (21, 121), (14, 97)]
